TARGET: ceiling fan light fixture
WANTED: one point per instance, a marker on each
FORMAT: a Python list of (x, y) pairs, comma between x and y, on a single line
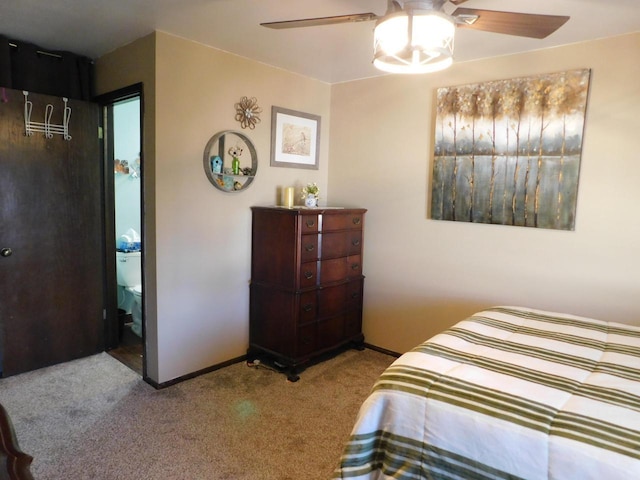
[(414, 41)]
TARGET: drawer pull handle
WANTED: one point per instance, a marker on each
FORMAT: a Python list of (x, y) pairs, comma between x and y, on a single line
[(308, 307), (308, 275), (356, 220), (309, 248), (355, 266), (310, 223), (355, 242)]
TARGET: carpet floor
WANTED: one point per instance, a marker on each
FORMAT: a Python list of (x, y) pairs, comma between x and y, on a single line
[(94, 418)]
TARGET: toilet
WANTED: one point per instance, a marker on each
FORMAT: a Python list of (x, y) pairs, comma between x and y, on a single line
[(129, 275)]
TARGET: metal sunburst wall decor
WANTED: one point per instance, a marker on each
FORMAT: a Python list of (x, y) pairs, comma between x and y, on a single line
[(248, 112)]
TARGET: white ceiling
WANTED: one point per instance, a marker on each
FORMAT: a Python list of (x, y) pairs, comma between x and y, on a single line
[(333, 53)]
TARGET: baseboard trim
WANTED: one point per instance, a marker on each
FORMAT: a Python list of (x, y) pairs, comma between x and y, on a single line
[(242, 358), (189, 376), (382, 350)]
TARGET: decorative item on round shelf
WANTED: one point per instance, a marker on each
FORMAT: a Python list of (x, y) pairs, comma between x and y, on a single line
[(248, 112), (235, 152)]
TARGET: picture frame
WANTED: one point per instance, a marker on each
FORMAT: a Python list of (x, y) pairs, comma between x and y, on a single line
[(295, 139)]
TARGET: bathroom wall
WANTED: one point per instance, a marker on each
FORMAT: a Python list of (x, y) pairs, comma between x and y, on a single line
[(126, 122)]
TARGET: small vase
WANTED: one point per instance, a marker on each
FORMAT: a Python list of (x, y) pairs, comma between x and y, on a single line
[(311, 201)]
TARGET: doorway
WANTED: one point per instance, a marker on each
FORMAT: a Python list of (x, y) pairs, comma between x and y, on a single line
[(124, 220)]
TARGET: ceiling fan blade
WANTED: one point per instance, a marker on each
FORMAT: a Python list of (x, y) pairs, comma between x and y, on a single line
[(314, 22), (458, 2), (519, 24)]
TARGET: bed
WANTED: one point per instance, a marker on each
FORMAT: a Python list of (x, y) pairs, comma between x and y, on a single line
[(506, 393)]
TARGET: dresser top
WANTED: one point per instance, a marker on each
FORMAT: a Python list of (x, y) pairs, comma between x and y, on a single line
[(319, 210)]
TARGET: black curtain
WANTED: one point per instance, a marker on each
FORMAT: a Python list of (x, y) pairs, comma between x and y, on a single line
[(39, 70)]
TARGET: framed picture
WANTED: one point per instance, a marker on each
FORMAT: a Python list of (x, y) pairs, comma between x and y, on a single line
[(295, 139)]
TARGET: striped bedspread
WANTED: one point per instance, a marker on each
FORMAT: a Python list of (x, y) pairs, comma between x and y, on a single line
[(507, 393)]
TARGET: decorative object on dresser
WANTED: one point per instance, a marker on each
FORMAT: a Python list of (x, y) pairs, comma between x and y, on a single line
[(306, 283), (287, 197), (310, 194), (15, 463)]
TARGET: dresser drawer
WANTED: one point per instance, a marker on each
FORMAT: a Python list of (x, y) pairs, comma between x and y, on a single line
[(341, 244), (352, 323), (309, 248), (339, 298), (331, 331), (307, 339), (332, 300), (354, 268), (354, 294), (337, 269), (308, 274), (308, 307), (333, 270), (342, 221), (309, 223)]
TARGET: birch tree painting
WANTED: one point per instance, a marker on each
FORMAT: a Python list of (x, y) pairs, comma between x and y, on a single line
[(508, 152)]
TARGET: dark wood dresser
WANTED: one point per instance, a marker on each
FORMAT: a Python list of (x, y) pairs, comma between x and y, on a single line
[(306, 283)]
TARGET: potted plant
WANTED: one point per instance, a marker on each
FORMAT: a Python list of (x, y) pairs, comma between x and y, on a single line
[(310, 195)]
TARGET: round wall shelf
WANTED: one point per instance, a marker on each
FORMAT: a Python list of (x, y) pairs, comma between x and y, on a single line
[(225, 174)]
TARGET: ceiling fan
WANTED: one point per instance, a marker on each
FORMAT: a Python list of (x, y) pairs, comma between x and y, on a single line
[(420, 33)]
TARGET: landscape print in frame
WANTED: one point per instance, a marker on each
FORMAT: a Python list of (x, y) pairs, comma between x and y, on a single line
[(508, 152)]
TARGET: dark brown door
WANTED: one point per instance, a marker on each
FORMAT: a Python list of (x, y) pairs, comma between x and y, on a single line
[(51, 265)]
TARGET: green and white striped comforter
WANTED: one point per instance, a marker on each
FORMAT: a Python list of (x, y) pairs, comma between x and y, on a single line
[(507, 393)]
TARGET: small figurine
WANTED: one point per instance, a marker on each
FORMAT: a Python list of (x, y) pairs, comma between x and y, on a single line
[(235, 152), (121, 166), (216, 164)]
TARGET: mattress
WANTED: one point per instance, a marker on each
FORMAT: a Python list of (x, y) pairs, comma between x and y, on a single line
[(506, 393)]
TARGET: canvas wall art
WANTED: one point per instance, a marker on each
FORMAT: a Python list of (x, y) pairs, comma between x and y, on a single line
[(508, 152)]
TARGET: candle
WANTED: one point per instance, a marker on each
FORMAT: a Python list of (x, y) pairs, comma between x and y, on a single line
[(288, 197)]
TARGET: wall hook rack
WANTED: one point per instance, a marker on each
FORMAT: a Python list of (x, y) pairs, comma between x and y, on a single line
[(47, 127)]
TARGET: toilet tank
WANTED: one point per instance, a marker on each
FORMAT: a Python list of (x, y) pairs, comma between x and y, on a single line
[(129, 268)]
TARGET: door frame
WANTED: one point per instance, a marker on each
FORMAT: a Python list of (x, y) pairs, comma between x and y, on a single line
[(110, 285)]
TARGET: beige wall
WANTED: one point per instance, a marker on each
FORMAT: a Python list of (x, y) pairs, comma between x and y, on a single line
[(422, 274), (376, 143), (202, 236), (129, 65)]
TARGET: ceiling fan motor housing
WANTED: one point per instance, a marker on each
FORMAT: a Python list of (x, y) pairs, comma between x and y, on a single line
[(417, 39)]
